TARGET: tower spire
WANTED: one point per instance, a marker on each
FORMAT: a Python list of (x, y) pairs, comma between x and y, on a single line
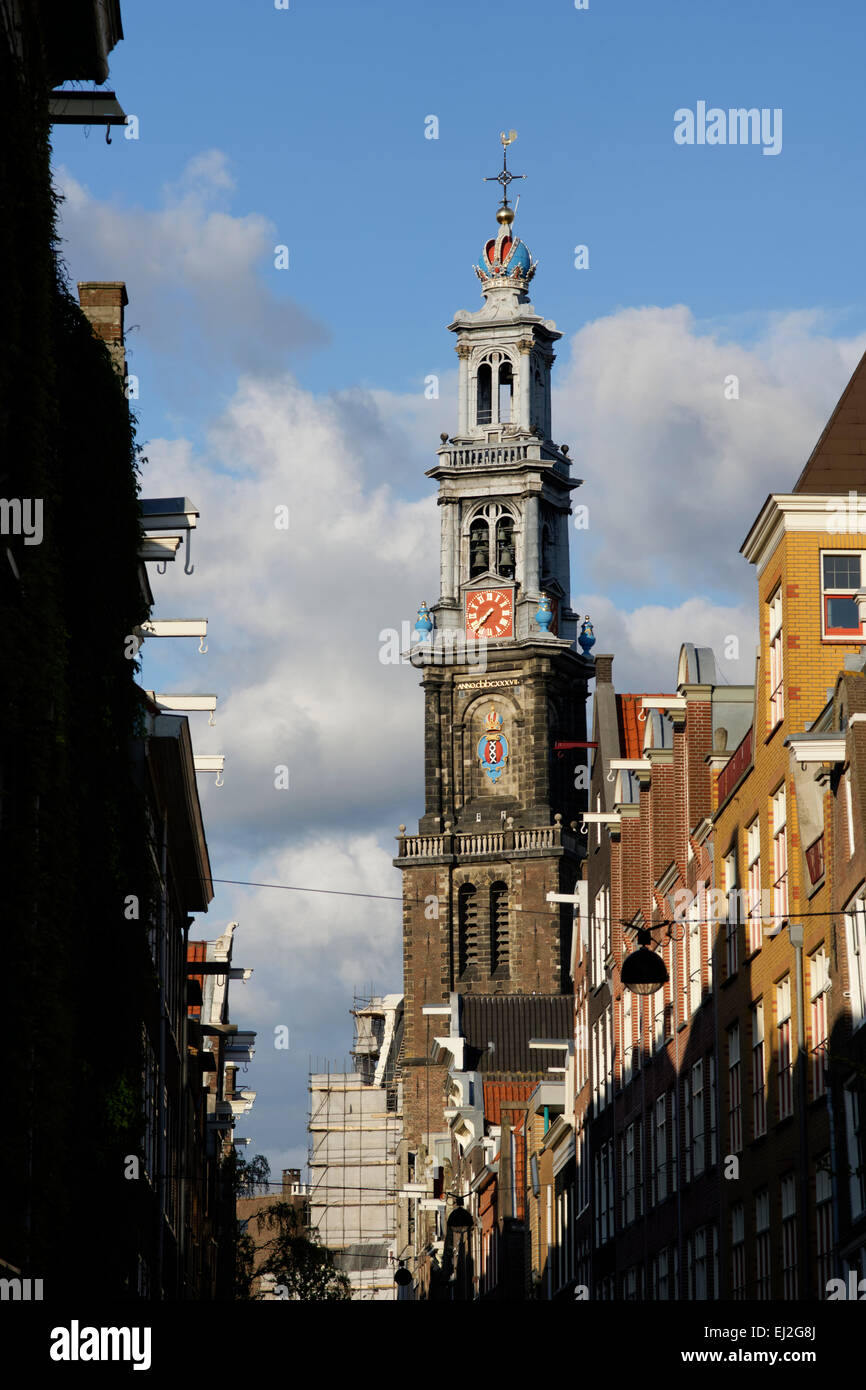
[(505, 260), (504, 213)]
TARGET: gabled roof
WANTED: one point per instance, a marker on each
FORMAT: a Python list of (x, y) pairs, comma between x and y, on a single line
[(495, 1092), (498, 1027), (838, 461), (631, 729)]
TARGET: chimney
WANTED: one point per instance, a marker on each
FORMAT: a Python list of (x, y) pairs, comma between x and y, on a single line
[(103, 301), (603, 669)]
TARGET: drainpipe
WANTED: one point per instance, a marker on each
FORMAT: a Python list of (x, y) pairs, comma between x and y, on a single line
[(183, 1291), (834, 1184), (717, 1063), (795, 933), (676, 1001)]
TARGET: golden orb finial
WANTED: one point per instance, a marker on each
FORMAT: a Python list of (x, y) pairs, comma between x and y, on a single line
[(505, 216)]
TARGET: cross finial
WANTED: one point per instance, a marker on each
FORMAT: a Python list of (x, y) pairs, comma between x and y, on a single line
[(505, 176)]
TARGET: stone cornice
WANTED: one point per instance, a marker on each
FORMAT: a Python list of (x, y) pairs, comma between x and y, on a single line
[(783, 512)]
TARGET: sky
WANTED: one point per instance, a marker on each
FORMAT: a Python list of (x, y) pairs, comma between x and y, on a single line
[(306, 387)]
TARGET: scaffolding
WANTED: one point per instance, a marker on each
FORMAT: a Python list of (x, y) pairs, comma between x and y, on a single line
[(355, 1128)]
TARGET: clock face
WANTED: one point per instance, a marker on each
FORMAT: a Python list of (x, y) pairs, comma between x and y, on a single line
[(490, 613)]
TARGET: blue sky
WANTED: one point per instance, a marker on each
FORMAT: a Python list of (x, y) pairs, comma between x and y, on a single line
[(306, 127), (320, 110)]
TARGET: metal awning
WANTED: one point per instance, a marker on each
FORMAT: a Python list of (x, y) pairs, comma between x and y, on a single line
[(85, 108)]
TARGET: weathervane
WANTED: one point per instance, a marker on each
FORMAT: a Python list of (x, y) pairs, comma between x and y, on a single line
[(505, 177)]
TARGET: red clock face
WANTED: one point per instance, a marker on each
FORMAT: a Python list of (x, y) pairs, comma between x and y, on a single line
[(490, 613)]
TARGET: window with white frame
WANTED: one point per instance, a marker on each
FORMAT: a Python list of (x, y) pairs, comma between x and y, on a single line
[(849, 812), (780, 855), (608, 1054), (581, 1170), (627, 1039), (732, 955), (687, 1131), (708, 915), (563, 1234), (735, 1091), (855, 942), (597, 1065), (819, 983), (661, 1276), (854, 1263), (631, 1203), (607, 936), (631, 1284), (581, 1048), (738, 1251), (711, 1087), (694, 948), (605, 1289), (754, 928), (785, 1051), (604, 1179), (763, 1273), (699, 1157), (660, 1150), (702, 1255), (840, 579), (673, 1144), (789, 1236), (659, 1012), (549, 1238), (602, 1051), (824, 1223), (599, 933), (856, 1148), (759, 1075), (775, 638)]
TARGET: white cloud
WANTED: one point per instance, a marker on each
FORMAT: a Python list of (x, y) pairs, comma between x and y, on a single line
[(674, 473), (646, 641), (200, 279), (296, 615)]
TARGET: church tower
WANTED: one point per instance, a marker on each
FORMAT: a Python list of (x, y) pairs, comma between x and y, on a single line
[(503, 685)]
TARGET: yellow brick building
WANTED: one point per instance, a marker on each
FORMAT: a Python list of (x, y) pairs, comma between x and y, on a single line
[(809, 552)]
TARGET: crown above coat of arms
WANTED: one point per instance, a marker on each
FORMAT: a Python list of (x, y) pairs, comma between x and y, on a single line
[(494, 721)]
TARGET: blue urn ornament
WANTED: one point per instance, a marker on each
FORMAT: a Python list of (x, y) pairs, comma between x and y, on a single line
[(586, 637), (544, 616), (424, 623)]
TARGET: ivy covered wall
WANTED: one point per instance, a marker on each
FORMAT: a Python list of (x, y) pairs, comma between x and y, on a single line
[(73, 838)]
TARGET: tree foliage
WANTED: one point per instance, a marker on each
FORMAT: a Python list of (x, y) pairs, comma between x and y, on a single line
[(299, 1264)]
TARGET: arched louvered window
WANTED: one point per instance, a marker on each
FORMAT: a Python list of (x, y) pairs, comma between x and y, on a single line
[(505, 547), (479, 547), (467, 928), (499, 927), (506, 392), (484, 403)]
